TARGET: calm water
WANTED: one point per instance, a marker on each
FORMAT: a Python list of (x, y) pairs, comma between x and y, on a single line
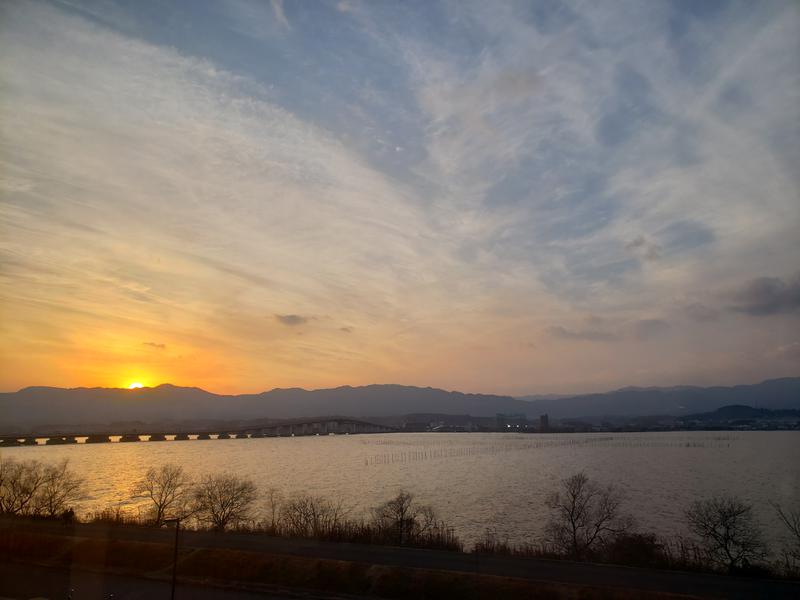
[(474, 481)]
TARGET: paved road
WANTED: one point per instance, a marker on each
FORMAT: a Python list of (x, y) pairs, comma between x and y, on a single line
[(532, 569), (28, 581)]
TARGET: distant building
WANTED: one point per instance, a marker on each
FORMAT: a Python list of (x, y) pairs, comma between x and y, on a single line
[(512, 422), (544, 423)]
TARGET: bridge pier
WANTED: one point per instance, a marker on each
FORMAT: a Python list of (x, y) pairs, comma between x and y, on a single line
[(57, 441)]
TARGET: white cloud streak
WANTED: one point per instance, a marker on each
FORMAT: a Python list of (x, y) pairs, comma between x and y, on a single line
[(559, 172)]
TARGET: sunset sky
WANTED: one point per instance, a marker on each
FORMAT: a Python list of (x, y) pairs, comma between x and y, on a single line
[(520, 197)]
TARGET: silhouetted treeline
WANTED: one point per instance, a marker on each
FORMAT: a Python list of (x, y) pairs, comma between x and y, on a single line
[(588, 522), (33, 488), (225, 501)]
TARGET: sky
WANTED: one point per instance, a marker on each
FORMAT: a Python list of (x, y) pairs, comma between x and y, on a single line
[(508, 197)]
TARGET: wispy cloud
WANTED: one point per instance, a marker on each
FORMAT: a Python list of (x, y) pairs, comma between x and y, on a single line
[(641, 247), (280, 15), (591, 335), (292, 320), (769, 296), (698, 311), (645, 329), (155, 345), (449, 179)]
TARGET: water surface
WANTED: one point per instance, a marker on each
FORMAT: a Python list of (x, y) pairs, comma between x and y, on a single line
[(476, 481)]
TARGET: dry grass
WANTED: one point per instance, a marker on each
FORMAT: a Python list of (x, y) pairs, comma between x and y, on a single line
[(19, 545), (382, 581), (223, 566), (134, 557)]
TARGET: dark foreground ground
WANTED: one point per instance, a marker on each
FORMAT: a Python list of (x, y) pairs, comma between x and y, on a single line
[(49, 559), (33, 581)]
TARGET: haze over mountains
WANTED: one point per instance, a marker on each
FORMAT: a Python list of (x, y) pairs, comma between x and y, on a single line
[(46, 406)]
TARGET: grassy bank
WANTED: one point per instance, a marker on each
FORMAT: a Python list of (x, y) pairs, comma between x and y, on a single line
[(265, 571)]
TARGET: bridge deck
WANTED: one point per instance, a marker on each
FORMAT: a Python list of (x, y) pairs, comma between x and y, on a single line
[(288, 428)]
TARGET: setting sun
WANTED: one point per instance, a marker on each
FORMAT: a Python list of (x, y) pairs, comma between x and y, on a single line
[(135, 385)]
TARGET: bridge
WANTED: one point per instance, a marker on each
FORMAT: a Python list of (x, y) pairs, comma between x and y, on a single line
[(286, 428)]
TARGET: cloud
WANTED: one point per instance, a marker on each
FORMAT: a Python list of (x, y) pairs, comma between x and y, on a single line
[(788, 352), (155, 345), (642, 248), (346, 329), (280, 15), (686, 235), (590, 335), (768, 296), (292, 320), (344, 6), (245, 167), (646, 329), (700, 312)]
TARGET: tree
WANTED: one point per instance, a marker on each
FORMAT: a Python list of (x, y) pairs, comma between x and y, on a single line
[(34, 488), (274, 504), (19, 485), (222, 500), (727, 529), (584, 516), (169, 489), (404, 518), (60, 488), (312, 516), (790, 518)]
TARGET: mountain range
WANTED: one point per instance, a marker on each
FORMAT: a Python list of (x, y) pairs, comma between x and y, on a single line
[(34, 407)]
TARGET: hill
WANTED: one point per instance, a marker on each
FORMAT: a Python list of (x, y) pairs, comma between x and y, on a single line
[(43, 406), (738, 412), (675, 401)]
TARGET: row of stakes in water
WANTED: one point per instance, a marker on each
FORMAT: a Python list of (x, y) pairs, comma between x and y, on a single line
[(434, 453), (560, 439)]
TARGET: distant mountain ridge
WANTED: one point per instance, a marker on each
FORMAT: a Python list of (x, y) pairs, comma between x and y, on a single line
[(741, 412), (43, 406)]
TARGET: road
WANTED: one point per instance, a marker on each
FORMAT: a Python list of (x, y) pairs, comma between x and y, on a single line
[(29, 581), (557, 571)]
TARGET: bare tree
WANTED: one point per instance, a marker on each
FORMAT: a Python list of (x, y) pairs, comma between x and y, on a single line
[(584, 516), (222, 500), (274, 504), (790, 518), (169, 489), (5, 475), (404, 518), (727, 529), (60, 488), (19, 484), (312, 516)]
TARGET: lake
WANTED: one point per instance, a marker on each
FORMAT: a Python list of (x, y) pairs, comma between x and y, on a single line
[(475, 481)]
